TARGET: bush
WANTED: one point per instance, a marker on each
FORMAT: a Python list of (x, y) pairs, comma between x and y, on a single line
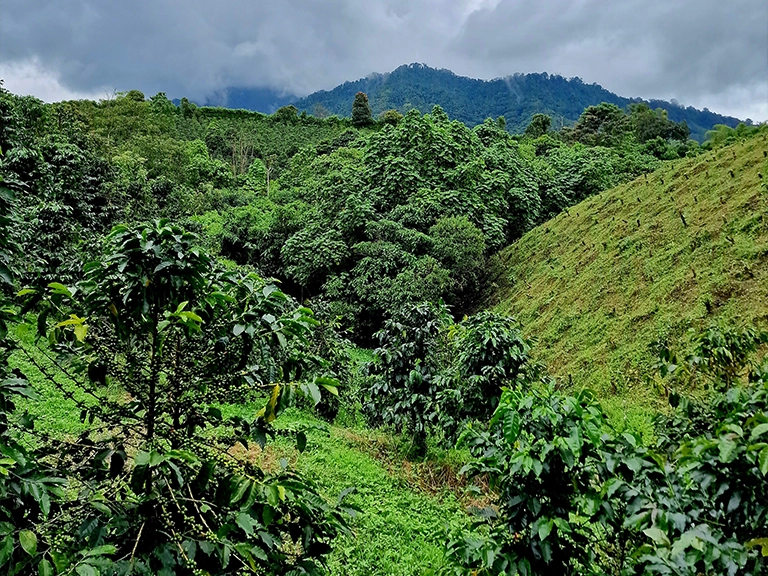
[(575, 497), (157, 320)]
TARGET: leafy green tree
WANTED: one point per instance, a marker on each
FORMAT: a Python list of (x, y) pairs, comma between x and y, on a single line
[(361, 111), (402, 391), (539, 126), (391, 117), (489, 353), (460, 246), (157, 319), (602, 125), (313, 253)]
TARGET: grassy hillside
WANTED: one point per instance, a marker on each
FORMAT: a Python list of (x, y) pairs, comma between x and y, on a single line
[(683, 247)]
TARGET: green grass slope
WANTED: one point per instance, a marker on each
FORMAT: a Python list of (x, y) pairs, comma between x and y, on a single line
[(681, 248)]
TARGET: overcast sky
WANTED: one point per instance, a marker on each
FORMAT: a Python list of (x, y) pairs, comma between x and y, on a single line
[(704, 53)]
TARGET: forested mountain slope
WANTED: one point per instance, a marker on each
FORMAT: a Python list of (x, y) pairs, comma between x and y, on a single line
[(471, 101), (640, 264)]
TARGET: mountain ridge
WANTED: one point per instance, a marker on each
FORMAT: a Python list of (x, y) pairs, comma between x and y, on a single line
[(516, 97)]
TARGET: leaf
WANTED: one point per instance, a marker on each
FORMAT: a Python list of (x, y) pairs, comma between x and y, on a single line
[(727, 449), (658, 536), (332, 389), (330, 384), (6, 549), (191, 316), (511, 426), (28, 541), (58, 288), (44, 568), (80, 332), (105, 550), (301, 441), (87, 570), (269, 412), (245, 522), (758, 431), (762, 542), (5, 274), (545, 528), (314, 391), (762, 461)]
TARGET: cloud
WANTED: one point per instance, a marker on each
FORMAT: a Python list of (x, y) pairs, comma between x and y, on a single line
[(693, 50), (706, 52), (31, 78)]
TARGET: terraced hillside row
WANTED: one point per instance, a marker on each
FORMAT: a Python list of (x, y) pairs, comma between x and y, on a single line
[(682, 247)]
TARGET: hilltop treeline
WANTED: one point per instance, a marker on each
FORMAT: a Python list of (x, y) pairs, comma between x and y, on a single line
[(518, 98)]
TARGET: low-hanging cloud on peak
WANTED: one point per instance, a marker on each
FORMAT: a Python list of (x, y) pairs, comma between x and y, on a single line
[(702, 52)]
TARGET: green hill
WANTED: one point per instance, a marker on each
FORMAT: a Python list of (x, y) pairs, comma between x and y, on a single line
[(682, 247), (471, 101)]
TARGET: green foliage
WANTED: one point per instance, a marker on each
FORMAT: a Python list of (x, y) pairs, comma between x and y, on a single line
[(402, 391), (575, 497), (460, 247), (722, 134), (489, 352), (391, 117), (517, 98), (177, 336), (29, 492), (539, 126), (361, 111)]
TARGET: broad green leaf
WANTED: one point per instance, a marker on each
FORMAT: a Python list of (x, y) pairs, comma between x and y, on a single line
[(301, 441), (758, 431), (87, 570), (762, 461), (657, 535), (545, 528), (511, 426), (105, 550), (245, 522), (727, 448), (58, 288), (269, 413), (314, 391), (44, 568), (81, 330), (28, 541), (6, 549), (762, 542), (5, 274)]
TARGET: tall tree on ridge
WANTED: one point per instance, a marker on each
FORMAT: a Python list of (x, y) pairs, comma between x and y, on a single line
[(361, 111)]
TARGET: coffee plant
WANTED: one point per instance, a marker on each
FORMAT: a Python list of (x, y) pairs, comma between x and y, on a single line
[(155, 335), (572, 496)]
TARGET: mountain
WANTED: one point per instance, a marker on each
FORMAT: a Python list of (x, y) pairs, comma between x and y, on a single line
[(264, 100), (599, 284), (471, 101)]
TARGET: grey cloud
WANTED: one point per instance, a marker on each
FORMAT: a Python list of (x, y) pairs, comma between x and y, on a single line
[(676, 49), (197, 46), (687, 49)]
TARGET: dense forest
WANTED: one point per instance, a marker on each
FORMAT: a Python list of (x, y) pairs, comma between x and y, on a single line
[(471, 101), (207, 314)]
